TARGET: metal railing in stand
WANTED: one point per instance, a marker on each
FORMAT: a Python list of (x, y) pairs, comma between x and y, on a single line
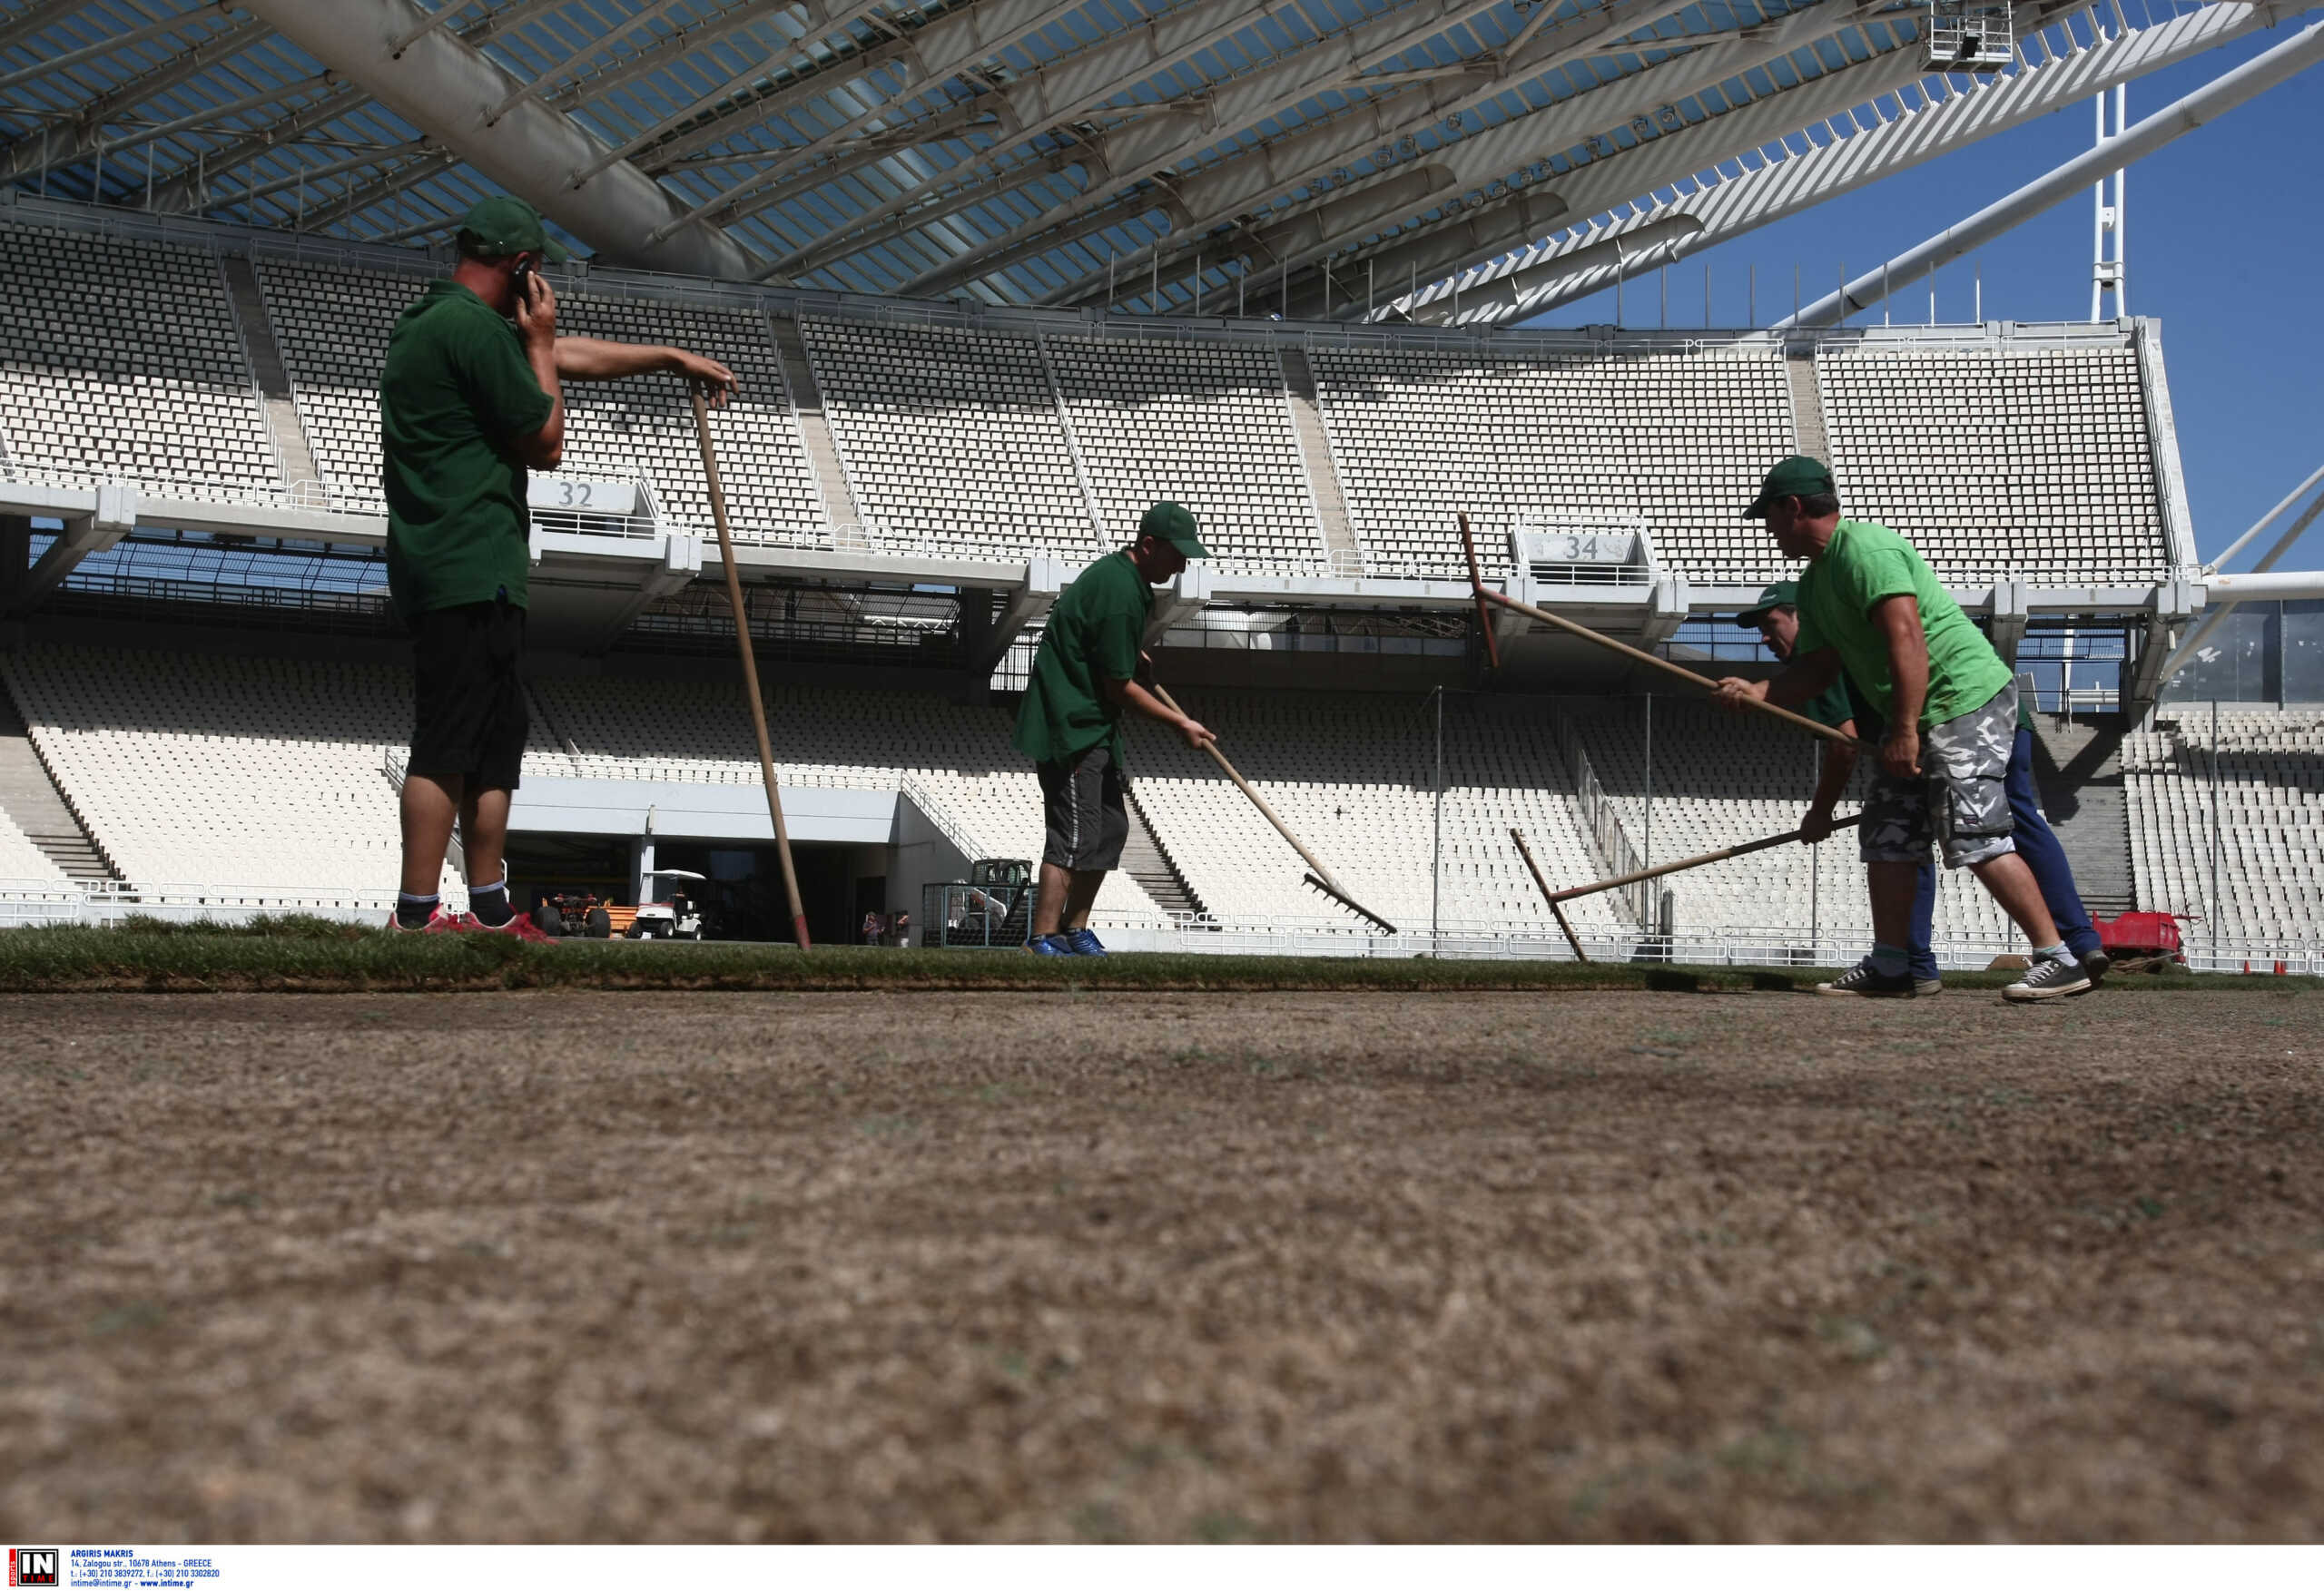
[(1602, 820)]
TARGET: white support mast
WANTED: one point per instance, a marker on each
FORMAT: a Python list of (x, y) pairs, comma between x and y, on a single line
[(2108, 268)]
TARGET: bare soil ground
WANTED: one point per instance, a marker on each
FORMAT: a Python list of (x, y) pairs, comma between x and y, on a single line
[(1126, 1266)]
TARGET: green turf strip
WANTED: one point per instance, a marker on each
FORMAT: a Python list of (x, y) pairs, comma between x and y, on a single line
[(314, 955)]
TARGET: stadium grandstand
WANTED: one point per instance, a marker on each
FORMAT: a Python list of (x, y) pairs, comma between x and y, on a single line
[(997, 274)]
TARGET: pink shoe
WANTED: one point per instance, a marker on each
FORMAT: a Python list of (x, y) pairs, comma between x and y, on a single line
[(440, 921), (518, 926)]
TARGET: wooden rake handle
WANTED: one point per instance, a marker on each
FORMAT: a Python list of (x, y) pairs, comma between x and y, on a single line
[(750, 665), (1557, 909), (1746, 848), (1584, 632), (1484, 618), (1259, 801)]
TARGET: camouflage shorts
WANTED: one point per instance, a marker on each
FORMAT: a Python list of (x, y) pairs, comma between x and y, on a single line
[(1960, 799)]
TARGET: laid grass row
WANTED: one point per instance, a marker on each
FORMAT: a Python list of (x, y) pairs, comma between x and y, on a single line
[(314, 955)]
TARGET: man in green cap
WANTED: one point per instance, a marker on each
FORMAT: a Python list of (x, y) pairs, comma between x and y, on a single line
[(1870, 608), (1087, 669), (471, 398), (1776, 617)]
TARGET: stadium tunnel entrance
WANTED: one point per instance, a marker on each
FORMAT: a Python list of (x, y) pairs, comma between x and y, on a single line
[(740, 894), (854, 850)]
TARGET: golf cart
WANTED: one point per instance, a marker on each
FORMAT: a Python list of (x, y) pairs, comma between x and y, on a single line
[(677, 918)]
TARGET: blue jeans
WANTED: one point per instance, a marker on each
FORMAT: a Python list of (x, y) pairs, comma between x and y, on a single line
[(2043, 854)]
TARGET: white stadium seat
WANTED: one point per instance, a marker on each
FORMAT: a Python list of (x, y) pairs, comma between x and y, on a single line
[(1203, 423), (1678, 439), (950, 438), (120, 360), (2268, 778), (2035, 463)]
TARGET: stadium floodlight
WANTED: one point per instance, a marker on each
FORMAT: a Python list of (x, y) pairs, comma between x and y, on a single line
[(1961, 36)]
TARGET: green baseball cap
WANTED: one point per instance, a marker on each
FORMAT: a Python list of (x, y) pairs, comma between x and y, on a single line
[(506, 226), (1174, 525), (1797, 476), (1783, 593)]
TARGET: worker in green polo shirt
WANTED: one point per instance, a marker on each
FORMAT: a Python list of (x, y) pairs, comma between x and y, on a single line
[(1087, 669), (471, 396), (1777, 619), (1869, 607)]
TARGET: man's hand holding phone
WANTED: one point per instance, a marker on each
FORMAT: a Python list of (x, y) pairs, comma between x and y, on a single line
[(536, 305)]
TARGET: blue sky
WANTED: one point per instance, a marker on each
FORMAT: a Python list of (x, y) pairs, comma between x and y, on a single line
[(2226, 249)]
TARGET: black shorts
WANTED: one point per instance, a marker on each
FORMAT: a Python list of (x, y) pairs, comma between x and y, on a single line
[(468, 716), (1087, 810)]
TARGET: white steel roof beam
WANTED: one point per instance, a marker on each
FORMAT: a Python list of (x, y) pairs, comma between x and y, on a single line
[(758, 105), (1263, 170), (834, 23), (571, 91), (112, 42), (83, 131), (1783, 188), (39, 14), (1606, 184), (446, 88), (1473, 161), (338, 98), (355, 201), (1047, 101), (1126, 154), (2133, 143), (953, 42)]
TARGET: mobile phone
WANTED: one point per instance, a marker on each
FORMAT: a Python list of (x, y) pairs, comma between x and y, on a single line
[(523, 269)]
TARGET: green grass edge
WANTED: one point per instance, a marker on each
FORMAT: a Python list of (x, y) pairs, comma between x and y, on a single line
[(294, 955)]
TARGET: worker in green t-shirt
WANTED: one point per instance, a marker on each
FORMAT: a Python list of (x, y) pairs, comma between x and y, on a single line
[(1089, 667), (1869, 607), (1776, 617), (471, 398)]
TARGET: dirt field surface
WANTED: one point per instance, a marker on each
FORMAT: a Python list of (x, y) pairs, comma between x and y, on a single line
[(1131, 1266)]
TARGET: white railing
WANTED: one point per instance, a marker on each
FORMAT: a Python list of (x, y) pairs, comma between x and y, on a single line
[(1771, 947), (1602, 819), (192, 489), (931, 807), (30, 903), (104, 904)]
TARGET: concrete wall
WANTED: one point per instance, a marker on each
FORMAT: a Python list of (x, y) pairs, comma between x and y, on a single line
[(920, 855), (680, 811)]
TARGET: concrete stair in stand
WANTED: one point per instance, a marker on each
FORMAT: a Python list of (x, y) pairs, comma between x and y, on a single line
[(31, 799), (1144, 859)]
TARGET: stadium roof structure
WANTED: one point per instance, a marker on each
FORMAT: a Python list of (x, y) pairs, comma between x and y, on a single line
[(1325, 158)]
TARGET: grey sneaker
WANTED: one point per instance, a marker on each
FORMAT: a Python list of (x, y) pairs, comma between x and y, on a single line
[(2050, 980), (1923, 987), (1866, 979)]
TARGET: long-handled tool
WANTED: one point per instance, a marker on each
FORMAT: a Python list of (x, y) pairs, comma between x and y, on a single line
[(1484, 614), (1557, 909), (749, 665), (1746, 848), (1321, 877), (1584, 632)]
